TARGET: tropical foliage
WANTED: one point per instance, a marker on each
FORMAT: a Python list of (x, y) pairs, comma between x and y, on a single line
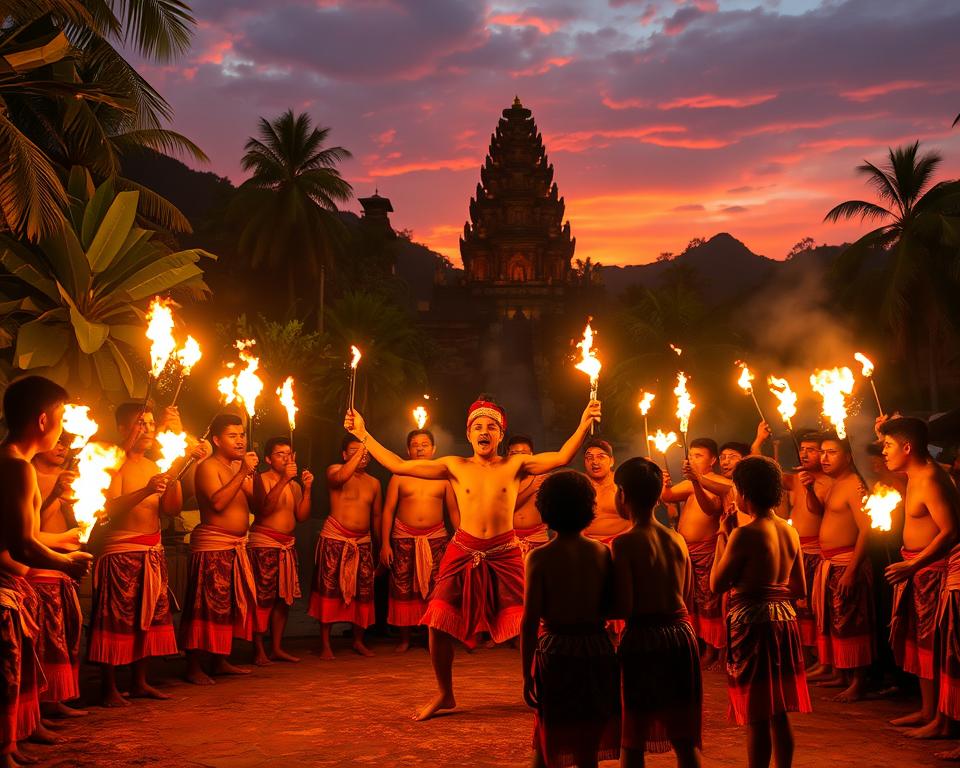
[(77, 299)]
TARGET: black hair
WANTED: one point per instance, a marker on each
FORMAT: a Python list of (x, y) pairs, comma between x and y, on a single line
[(908, 430), (519, 439), (566, 501), (809, 436), (760, 481), (417, 432), (273, 442), (347, 440), (833, 437), (25, 399), (641, 481), (127, 413), (706, 442), (596, 442), (732, 445), (223, 420)]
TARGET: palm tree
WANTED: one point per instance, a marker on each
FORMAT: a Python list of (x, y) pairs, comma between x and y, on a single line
[(919, 236), (289, 205)]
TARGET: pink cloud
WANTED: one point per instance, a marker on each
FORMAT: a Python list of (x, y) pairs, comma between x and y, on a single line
[(881, 89), (452, 164), (543, 26), (709, 101), (387, 137)]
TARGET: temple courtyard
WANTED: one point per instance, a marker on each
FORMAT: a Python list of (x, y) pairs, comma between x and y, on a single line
[(356, 711)]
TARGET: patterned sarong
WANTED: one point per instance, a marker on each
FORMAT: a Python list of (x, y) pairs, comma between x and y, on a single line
[(533, 537), (276, 570), (131, 609), (913, 625), (662, 683), (221, 595), (58, 641), (20, 677), (706, 610), (479, 588), (810, 551), (765, 674), (844, 626), (577, 685), (343, 576), (416, 562), (949, 621)]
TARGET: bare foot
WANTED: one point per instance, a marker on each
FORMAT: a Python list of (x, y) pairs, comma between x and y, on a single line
[(223, 667), (851, 694), (489, 644), (403, 647), (817, 671), (912, 720), (114, 699), (442, 701), (835, 681), (46, 722), (935, 729), (281, 655), (359, 647), (261, 659), (199, 677), (43, 735), (326, 654), (950, 754), (62, 710), (144, 691)]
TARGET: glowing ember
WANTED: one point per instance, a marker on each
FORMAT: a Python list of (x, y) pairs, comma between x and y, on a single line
[(420, 416), (663, 441), (787, 397), (880, 505), (745, 378), (160, 334), (865, 364), (77, 422), (589, 363), (685, 405), (677, 350), (833, 386), (173, 446), (287, 400), (189, 355), (95, 466), (646, 399), (356, 357)]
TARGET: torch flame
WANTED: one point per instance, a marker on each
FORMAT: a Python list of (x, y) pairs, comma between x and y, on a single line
[(787, 397), (189, 355), (160, 334), (248, 384), (77, 422), (356, 357), (663, 441), (880, 505), (589, 363), (285, 393), (865, 364), (645, 402), (685, 405), (95, 466), (420, 416), (173, 446), (745, 378), (677, 350), (833, 385)]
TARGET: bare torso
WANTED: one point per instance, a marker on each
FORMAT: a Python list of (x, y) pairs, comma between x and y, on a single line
[(283, 517), (806, 522), (10, 464), (53, 519), (420, 502), (133, 475), (486, 494), (235, 517), (352, 504), (839, 527), (526, 514), (769, 549), (578, 572), (919, 527), (607, 522), (655, 560), (695, 524)]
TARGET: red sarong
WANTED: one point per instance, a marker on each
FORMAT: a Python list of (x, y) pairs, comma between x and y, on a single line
[(844, 627), (479, 589), (221, 595), (342, 576), (416, 562), (533, 537), (913, 623), (577, 685), (810, 551), (949, 623), (58, 641), (706, 611), (131, 609), (276, 570), (20, 677), (765, 674), (662, 683)]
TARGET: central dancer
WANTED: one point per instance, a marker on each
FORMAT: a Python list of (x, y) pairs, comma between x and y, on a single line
[(480, 584)]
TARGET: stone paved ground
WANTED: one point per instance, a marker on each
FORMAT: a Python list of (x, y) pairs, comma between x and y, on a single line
[(355, 712)]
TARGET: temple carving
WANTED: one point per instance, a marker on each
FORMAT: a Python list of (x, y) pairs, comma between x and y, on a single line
[(516, 233)]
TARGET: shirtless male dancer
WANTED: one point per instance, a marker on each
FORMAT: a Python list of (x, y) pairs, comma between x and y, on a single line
[(484, 552), (281, 503), (598, 461), (529, 526), (931, 528), (33, 411), (414, 538), (842, 595)]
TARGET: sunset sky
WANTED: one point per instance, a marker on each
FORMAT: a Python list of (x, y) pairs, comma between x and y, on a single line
[(664, 119)]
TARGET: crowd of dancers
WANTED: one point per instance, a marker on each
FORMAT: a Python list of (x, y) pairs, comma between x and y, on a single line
[(621, 584)]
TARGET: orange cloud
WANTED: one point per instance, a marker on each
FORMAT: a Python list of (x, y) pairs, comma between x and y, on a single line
[(554, 63), (543, 26), (612, 103), (882, 89), (709, 101), (387, 137), (578, 141), (452, 164), (215, 52)]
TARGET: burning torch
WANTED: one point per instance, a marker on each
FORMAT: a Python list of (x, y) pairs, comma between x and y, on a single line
[(787, 407), (745, 383), (187, 356), (880, 506), (833, 386), (289, 403), (685, 407), (866, 368), (589, 363), (354, 362), (646, 400)]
